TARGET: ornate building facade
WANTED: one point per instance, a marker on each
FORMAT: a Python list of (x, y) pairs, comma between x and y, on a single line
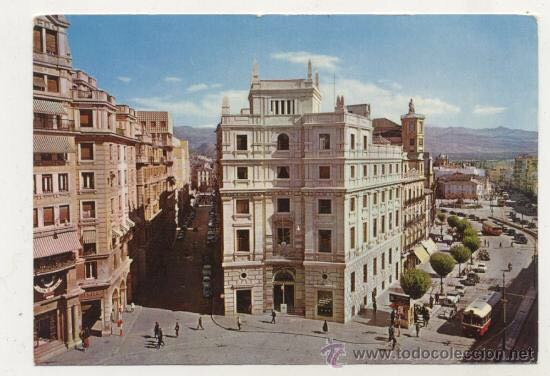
[(311, 206)]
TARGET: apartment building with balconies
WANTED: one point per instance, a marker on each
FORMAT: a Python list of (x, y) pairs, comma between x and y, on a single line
[(57, 247), (311, 207)]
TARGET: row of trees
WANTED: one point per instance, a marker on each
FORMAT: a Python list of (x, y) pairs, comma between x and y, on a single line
[(416, 282)]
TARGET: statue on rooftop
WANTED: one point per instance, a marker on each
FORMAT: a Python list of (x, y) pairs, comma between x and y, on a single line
[(411, 107)]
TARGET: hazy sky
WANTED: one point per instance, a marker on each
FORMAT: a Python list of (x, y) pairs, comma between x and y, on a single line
[(471, 71)]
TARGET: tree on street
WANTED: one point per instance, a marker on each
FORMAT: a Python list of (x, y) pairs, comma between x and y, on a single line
[(415, 283), (441, 217), (461, 227), (472, 243), (461, 254), (452, 221), (442, 264)]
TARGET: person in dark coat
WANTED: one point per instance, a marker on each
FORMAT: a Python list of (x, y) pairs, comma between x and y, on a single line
[(391, 333), (431, 301), (177, 329), (273, 315), (417, 329), (436, 298), (160, 339), (325, 327), (199, 325), (426, 316), (156, 330), (392, 317), (393, 342)]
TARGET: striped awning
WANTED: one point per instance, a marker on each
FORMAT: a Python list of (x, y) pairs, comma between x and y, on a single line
[(130, 223), (124, 228), (52, 144), (116, 233), (48, 107), (56, 244), (89, 237), (430, 246)]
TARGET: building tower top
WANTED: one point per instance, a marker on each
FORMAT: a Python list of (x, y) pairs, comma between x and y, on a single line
[(225, 106), (317, 79), (255, 76), (309, 70)]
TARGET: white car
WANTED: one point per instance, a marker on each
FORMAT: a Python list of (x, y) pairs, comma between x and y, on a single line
[(455, 293), (461, 289), (449, 300), (480, 268)]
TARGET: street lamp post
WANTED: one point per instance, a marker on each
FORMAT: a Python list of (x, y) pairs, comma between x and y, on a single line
[(504, 301)]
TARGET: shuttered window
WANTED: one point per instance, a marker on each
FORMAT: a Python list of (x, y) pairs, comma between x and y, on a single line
[(242, 207), (35, 218), (53, 84), (51, 42), (87, 152), (64, 216), (37, 40), (48, 216), (88, 209), (86, 118)]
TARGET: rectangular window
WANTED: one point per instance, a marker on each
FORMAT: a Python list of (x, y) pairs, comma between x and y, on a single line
[(52, 84), (383, 261), (35, 218), (391, 194), (375, 170), (242, 172), (88, 209), (390, 257), (352, 237), (324, 141), (87, 152), (390, 220), (365, 200), (365, 273), (391, 168), (242, 142), (352, 204), (397, 218), (325, 241), (365, 171), (48, 216), (375, 198), (63, 182), (324, 172), (352, 172), (38, 83), (352, 141), (283, 172), (47, 183), (112, 205), (375, 227), (411, 142), (242, 207), (283, 205), (383, 224), (352, 276), (283, 236), (365, 142), (375, 266), (383, 169), (89, 249), (383, 196), (64, 214), (243, 240), (37, 40), (325, 206), (86, 118), (365, 232), (91, 270), (51, 42)]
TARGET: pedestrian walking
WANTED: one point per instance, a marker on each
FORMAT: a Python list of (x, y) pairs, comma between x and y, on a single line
[(156, 330), (273, 315), (417, 329), (393, 343), (177, 329), (426, 317), (398, 324), (374, 308), (392, 317), (436, 298), (199, 325), (133, 306), (431, 301), (500, 246), (391, 333), (239, 323), (325, 327), (160, 339)]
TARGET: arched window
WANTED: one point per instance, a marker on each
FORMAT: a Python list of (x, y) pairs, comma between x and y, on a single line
[(282, 142)]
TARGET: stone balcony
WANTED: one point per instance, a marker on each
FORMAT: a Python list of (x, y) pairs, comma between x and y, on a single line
[(93, 96)]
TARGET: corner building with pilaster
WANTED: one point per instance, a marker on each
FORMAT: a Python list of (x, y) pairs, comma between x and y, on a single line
[(311, 207)]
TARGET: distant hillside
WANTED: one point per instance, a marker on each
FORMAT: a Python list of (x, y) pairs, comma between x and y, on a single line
[(487, 143), (202, 140), (457, 142)]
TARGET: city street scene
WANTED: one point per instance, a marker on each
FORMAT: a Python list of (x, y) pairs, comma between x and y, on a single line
[(285, 190)]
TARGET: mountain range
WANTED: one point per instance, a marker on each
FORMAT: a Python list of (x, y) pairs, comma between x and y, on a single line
[(456, 142)]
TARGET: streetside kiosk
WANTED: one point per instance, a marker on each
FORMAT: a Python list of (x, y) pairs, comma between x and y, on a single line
[(404, 306)]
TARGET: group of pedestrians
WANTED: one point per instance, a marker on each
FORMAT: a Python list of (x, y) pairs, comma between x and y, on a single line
[(395, 323), (159, 334)]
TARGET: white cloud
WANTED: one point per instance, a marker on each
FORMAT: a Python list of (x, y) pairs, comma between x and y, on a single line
[(488, 110), (172, 79), (197, 87), (206, 109), (390, 84), (384, 102), (326, 62), (124, 79)]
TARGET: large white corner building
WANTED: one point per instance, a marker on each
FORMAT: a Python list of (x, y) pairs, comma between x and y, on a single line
[(310, 205)]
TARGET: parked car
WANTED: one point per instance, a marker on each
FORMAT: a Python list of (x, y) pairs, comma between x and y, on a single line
[(461, 214), (472, 217), (468, 282), (461, 289), (474, 277), (480, 268), (449, 300), (443, 210), (455, 293), (511, 232)]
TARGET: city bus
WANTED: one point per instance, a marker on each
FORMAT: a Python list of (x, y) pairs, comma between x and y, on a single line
[(490, 228), (476, 318)]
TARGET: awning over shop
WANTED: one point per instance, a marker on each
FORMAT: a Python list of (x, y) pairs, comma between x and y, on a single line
[(430, 246), (52, 144), (48, 107), (130, 223), (89, 237), (56, 244), (421, 253)]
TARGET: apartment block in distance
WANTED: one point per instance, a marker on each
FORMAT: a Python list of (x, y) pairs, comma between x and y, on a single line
[(311, 206)]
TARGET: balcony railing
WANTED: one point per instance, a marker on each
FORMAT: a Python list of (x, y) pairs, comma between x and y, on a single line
[(51, 123), (51, 264), (95, 95)]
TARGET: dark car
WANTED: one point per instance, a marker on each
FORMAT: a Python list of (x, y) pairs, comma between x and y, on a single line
[(474, 277), (511, 232), (516, 220), (443, 210), (472, 217), (467, 282), (452, 212)]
